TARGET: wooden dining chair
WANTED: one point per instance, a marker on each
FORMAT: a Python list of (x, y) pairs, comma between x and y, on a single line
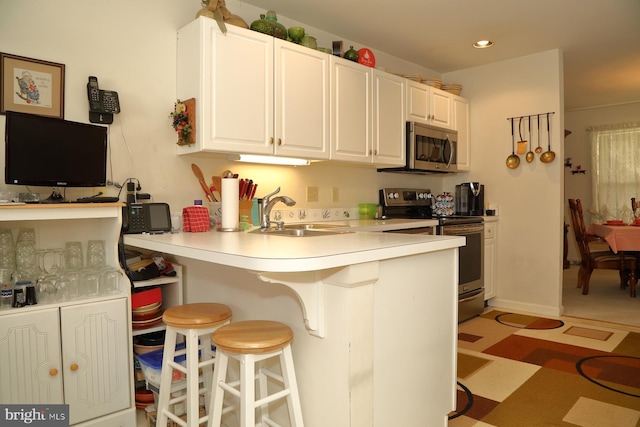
[(590, 261)]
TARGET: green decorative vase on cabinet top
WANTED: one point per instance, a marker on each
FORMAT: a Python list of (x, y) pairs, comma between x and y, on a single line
[(280, 30), (352, 54), (263, 25)]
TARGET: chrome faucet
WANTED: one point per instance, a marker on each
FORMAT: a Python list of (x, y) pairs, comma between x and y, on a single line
[(267, 205)]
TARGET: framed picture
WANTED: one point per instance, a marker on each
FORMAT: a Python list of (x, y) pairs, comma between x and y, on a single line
[(31, 86)]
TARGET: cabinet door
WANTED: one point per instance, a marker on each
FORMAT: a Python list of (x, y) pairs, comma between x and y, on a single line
[(350, 111), (440, 107), (96, 355), (489, 260), (301, 101), (461, 124), (30, 371), (388, 119), (417, 102), (231, 77)]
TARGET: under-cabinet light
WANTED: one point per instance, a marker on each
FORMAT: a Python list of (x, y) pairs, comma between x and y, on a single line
[(271, 160)]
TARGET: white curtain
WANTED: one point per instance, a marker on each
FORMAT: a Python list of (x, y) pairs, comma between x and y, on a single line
[(615, 159)]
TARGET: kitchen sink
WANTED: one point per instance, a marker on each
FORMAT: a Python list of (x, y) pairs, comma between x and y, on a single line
[(302, 230), (322, 226)]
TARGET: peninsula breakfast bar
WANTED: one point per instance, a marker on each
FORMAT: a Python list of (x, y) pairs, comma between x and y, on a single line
[(374, 314)]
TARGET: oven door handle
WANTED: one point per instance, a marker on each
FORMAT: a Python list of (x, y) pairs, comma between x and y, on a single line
[(473, 296)]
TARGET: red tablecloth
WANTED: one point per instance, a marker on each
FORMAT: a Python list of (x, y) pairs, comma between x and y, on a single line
[(619, 237)]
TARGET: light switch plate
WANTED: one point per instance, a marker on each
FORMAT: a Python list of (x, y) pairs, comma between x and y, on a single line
[(312, 194), (335, 194)]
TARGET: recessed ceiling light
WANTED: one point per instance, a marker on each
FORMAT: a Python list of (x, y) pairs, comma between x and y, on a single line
[(481, 44)]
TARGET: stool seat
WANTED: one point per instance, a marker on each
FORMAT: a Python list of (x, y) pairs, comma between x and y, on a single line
[(253, 336), (196, 316), (250, 345), (196, 323)]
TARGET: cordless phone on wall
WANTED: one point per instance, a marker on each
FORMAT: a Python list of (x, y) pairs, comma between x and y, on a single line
[(103, 104)]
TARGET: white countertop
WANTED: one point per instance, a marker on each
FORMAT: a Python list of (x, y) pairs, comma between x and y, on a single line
[(292, 254)]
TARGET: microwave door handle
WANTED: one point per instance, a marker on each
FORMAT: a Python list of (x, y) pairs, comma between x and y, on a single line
[(451, 153)]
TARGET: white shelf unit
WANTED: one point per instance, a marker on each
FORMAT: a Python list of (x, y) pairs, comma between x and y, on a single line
[(50, 353), (172, 294)]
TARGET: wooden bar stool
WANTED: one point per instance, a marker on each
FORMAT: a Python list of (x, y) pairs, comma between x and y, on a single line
[(252, 343), (196, 322)]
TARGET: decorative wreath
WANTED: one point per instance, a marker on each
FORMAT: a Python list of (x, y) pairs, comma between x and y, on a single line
[(181, 123)]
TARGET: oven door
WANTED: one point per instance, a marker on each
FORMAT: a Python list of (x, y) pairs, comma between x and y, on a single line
[(471, 256)]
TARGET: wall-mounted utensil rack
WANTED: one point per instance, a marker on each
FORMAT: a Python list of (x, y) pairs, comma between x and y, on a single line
[(528, 116), (513, 161)]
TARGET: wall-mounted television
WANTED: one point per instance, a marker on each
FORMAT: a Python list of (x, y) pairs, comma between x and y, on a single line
[(49, 152)]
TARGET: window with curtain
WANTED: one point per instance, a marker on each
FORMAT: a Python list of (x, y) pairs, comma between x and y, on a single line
[(615, 160)]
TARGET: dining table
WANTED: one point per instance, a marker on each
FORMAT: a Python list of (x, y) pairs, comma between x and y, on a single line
[(621, 238)]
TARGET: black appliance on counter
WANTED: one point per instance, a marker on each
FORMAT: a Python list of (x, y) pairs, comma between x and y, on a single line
[(418, 204), (469, 199)]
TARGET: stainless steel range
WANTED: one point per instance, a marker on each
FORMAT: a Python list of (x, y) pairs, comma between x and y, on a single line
[(418, 203)]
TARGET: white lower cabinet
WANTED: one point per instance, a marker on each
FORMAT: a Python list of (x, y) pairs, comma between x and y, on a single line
[(76, 354), (490, 258)]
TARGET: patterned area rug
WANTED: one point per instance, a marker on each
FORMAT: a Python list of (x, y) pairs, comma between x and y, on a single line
[(518, 370)]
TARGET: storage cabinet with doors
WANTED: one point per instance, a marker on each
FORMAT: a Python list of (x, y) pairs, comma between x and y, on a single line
[(75, 352), (426, 104), (367, 115), (254, 94), (490, 256), (460, 108)]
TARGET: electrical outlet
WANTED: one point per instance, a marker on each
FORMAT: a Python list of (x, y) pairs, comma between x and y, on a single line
[(312, 194), (335, 194)]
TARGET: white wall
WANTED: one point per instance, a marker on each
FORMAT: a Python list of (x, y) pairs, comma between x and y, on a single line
[(577, 147), (131, 48), (530, 197)]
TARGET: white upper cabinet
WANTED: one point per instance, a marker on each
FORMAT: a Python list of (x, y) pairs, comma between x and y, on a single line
[(254, 94), (426, 104), (367, 115), (350, 111), (301, 101), (389, 127), (461, 124)]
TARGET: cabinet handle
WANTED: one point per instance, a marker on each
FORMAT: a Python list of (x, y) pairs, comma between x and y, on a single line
[(279, 141), (375, 152), (53, 372), (74, 367), (271, 141)]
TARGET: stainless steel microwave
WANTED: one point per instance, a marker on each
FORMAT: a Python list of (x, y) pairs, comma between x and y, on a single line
[(430, 149)]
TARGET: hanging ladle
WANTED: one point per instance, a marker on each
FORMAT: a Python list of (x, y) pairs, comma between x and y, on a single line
[(548, 156), (538, 148), (529, 156), (513, 160)]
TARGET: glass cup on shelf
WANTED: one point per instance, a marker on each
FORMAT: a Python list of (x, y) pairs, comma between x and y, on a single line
[(46, 289), (110, 281), (90, 282), (7, 250), (73, 257), (95, 253)]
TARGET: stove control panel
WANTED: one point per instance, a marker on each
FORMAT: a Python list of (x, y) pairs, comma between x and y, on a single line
[(405, 197)]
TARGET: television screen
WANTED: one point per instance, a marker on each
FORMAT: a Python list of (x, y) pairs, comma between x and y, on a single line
[(45, 151)]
